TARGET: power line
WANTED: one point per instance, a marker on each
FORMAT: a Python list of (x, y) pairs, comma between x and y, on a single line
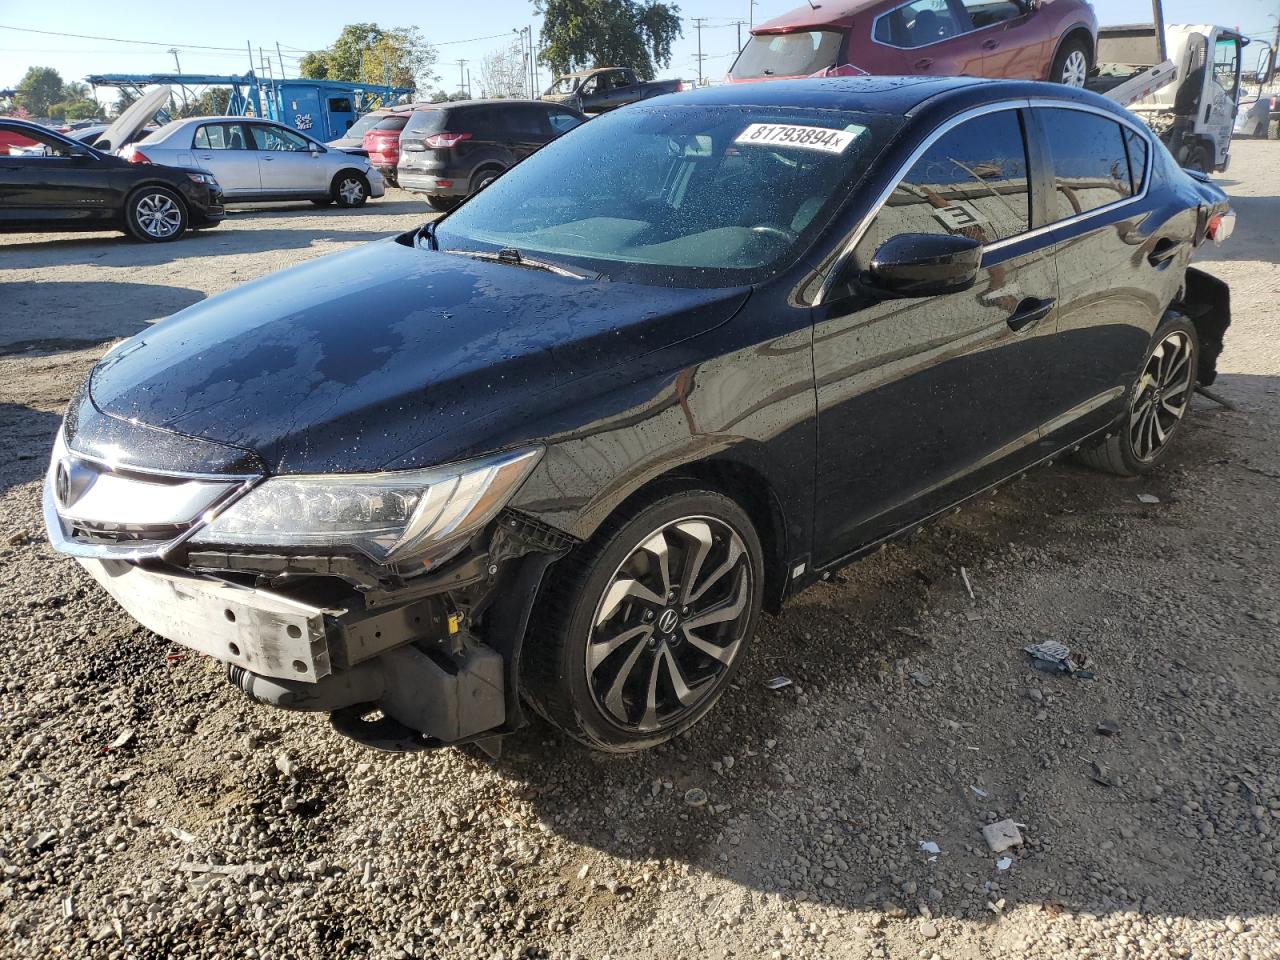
[(85, 36)]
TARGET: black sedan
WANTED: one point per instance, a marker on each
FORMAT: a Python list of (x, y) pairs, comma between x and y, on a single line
[(677, 365), (51, 182)]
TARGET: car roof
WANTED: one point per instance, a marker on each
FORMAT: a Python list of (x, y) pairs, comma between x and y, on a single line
[(810, 18), (494, 102), (891, 95)]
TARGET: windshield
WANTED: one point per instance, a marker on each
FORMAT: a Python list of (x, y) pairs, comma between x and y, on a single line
[(688, 196), (787, 54), (563, 87)]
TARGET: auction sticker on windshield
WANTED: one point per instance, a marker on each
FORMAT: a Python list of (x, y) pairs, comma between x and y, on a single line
[(806, 138)]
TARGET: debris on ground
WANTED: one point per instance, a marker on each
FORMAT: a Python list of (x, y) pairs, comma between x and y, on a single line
[(921, 678), (1002, 835), (1108, 728), (1004, 863), (123, 740), (981, 794), (964, 575), (695, 797), (179, 834), (931, 848), (1148, 498), (1050, 656), (1101, 773), (778, 682)]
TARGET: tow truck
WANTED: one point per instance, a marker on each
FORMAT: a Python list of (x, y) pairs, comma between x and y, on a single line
[(1183, 81)]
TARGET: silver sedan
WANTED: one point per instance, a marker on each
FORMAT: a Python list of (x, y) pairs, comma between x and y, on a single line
[(256, 159)]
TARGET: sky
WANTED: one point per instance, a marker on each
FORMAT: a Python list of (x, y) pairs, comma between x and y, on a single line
[(459, 30)]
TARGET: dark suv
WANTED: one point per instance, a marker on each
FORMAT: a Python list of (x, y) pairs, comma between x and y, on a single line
[(451, 151)]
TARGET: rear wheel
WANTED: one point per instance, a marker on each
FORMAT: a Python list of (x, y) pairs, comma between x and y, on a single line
[(155, 214), (1158, 404), (483, 179), (350, 189), (641, 629), (1071, 65), (443, 204)]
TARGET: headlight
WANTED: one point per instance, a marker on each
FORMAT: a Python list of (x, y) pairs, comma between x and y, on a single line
[(386, 516), (203, 178)]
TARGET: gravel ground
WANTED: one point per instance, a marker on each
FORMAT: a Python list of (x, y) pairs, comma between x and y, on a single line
[(149, 810)]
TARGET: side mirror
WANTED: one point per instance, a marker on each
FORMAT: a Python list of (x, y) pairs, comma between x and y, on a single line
[(79, 153), (925, 265)]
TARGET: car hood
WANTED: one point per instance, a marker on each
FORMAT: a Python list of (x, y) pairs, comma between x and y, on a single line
[(386, 353)]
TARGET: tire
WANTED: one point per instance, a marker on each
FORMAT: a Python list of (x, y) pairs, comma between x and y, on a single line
[(483, 179), (598, 661), (1158, 392), (442, 204), (1072, 64), (155, 214), (350, 189)]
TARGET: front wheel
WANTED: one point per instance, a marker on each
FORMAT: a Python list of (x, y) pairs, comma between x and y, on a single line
[(155, 215), (1158, 403), (642, 628), (350, 190), (1071, 65)]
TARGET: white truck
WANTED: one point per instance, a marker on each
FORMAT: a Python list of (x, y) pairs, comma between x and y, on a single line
[(1187, 93)]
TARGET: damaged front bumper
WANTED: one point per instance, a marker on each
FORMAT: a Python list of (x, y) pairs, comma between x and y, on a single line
[(400, 662)]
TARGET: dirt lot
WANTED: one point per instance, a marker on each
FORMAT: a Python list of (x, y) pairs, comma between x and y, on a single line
[(130, 767)]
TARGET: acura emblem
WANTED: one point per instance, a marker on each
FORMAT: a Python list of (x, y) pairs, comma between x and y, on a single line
[(667, 622), (70, 481)]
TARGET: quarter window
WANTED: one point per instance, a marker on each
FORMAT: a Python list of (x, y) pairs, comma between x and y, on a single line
[(918, 24), (1090, 163), (971, 182), (1136, 145)]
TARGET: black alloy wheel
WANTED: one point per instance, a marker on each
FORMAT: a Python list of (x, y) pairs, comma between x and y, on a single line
[(641, 629), (1158, 404)]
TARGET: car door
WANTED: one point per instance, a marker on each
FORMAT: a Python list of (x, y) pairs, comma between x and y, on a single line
[(1119, 263), (286, 162), (923, 401), (226, 149), (52, 181), (1012, 37), (931, 38)]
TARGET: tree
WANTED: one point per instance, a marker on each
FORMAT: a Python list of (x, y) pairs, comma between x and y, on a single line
[(124, 100), (502, 72), (76, 103), (366, 53), (579, 34), (213, 102), (39, 90)]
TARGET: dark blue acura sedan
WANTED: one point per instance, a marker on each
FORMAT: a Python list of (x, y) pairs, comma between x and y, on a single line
[(654, 379)]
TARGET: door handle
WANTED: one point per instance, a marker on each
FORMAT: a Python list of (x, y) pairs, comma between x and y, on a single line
[(1030, 312), (268, 159), (924, 63), (1164, 252), (990, 44)]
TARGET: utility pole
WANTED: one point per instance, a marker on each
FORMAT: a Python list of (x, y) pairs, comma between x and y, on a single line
[(1271, 67), (697, 25), (462, 76), (280, 57), (739, 24), (1157, 19), (751, 15), (178, 67), (533, 67)]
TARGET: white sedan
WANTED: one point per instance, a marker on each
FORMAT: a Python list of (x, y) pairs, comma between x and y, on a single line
[(255, 159)]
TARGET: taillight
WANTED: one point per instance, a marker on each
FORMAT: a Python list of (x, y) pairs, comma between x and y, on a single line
[(1221, 226), (442, 141), (137, 156)]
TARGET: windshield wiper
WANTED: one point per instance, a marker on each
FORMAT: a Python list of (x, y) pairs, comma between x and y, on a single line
[(513, 256)]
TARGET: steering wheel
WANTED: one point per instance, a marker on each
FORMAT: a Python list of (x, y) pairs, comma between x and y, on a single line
[(769, 230)]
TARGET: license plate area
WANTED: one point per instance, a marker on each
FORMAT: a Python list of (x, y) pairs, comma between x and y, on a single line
[(267, 633)]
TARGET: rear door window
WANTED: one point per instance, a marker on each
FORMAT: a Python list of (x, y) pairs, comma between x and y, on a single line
[(223, 136), (1090, 163), (971, 182), (986, 13), (525, 122), (920, 23)]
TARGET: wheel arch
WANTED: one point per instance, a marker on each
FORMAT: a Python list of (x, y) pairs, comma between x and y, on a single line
[(1077, 31), (333, 182), (743, 483), (1206, 302), (485, 166), (155, 182)]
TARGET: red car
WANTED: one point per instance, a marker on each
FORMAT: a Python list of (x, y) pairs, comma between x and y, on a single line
[(382, 143), (1016, 39)]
